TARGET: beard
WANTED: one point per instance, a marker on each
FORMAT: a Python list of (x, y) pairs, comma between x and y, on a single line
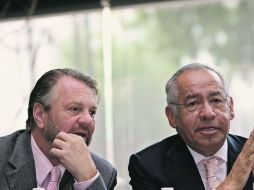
[(88, 135), (87, 140), (51, 130)]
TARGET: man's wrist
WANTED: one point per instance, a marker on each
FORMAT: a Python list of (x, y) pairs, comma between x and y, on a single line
[(81, 185)]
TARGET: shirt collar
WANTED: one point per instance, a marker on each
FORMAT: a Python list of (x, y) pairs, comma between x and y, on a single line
[(42, 164), (221, 153)]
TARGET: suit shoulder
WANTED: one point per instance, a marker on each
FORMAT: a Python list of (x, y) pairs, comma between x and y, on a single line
[(151, 162), (101, 162), (106, 169), (159, 147), (236, 141), (10, 144), (9, 140), (237, 138), (102, 165)]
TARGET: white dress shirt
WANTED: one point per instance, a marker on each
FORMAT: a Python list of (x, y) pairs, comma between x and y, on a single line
[(222, 169)]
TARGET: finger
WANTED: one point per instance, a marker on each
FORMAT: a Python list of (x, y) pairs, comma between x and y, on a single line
[(55, 152), (58, 143), (249, 145), (70, 142), (62, 136), (251, 137), (67, 137)]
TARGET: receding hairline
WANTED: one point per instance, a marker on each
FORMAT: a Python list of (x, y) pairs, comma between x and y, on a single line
[(60, 81), (212, 73), (196, 67)]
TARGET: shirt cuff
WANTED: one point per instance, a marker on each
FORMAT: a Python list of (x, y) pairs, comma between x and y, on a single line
[(85, 184)]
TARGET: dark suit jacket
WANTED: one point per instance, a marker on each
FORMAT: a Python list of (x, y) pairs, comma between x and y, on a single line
[(17, 169), (170, 164)]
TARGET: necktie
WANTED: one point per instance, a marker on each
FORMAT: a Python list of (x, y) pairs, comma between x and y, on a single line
[(211, 166), (54, 177)]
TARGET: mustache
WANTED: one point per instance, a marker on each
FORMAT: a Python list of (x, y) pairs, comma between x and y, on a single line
[(84, 132)]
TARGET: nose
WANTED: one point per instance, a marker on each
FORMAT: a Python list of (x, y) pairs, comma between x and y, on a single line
[(86, 119), (206, 112)]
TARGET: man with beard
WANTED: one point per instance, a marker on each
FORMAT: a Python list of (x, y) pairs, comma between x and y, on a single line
[(200, 108), (52, 152)]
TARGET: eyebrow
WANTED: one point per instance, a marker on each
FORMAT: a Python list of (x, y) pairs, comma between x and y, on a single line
[(76, 103), (192, 96), (198, 96), (216, 93)]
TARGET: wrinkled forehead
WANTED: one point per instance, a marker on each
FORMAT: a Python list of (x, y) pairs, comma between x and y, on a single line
[(72, 88), (193, 81)]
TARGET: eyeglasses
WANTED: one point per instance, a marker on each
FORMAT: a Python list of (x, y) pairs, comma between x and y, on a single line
[(197, 103)]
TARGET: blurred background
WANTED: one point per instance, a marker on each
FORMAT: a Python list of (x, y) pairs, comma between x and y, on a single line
[(131, 48)]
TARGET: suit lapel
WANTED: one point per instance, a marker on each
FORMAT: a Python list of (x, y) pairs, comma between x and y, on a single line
[(20, 171), (21, 178), (67, 181), (233, 151), (181, 168)]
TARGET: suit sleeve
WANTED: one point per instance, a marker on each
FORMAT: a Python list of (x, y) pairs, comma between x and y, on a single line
[(100, 184), (141, 177), (107, 179)]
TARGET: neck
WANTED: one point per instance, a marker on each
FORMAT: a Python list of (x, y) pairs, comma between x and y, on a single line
[(44, 145)]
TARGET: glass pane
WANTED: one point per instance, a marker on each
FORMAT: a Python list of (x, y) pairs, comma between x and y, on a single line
[(149, 43)]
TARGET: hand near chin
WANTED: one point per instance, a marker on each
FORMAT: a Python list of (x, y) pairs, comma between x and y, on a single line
[(72, 152), (241, 169)]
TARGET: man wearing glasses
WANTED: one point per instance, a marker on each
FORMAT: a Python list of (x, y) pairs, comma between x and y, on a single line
[(203, 155)]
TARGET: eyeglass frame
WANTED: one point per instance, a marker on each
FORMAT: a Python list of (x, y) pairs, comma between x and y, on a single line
[(201, 104)]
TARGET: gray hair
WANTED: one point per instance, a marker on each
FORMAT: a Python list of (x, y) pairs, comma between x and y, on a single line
[(42, 91), (172, 88)]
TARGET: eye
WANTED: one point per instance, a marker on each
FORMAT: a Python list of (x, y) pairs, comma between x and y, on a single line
[(74, 109), (217, 100), (192, 103), (92, 113)]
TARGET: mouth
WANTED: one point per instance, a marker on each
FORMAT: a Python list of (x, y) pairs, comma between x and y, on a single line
[(82, 134), (207, 131), (85, 135)]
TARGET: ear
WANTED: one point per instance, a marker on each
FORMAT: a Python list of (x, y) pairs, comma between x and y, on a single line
[(39, 115), (231, 109), (171, 117)]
